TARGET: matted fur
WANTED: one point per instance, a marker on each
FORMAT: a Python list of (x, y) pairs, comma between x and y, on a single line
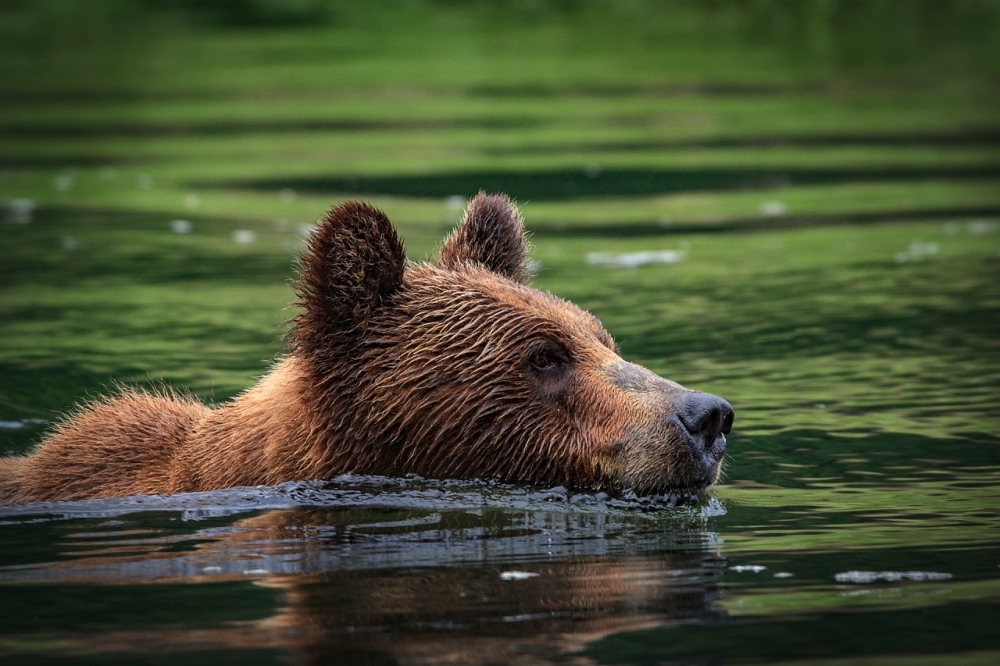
[(457, 369), (90, 438)]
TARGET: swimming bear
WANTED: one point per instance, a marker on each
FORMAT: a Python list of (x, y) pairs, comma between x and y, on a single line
[(451, 369)]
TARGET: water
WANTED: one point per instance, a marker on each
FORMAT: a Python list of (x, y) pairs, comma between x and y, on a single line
[(377, 570), (795, 206)]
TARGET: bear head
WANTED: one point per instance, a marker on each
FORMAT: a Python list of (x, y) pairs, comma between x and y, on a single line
[(459, 369)]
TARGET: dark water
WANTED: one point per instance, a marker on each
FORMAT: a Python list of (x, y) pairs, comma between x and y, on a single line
[(567, 184), (374, 570)]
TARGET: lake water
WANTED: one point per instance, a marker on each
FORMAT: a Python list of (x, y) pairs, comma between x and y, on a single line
[(881, 547)]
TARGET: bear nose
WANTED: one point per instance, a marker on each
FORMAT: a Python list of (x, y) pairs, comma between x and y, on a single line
[(706, 417)]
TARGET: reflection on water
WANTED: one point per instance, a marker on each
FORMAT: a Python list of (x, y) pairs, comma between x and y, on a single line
[(569, 184), (792, 205), (410, 571), (362, 559), (858, 515)]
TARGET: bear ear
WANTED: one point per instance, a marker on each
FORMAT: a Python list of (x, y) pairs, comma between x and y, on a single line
[(490, 236), (353, 264)]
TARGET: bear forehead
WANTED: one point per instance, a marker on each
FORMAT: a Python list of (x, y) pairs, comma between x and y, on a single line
[(462, 290)]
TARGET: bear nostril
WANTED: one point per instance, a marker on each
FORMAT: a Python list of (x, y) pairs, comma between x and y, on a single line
[(727, 422), (708, 426)]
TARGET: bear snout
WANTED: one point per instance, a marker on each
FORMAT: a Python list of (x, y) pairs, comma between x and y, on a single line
[(677, 439), (706, 420)]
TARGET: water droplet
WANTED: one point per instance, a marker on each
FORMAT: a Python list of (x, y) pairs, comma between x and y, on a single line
[(917, 252), (981, 227), (64, 182), (889, 576), (634, 259)]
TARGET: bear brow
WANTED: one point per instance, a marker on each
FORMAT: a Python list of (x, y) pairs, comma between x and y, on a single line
[(605, 338), (570, 320), (571, 311), (547, 314)]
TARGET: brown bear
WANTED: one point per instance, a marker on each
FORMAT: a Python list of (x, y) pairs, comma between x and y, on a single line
[(456, 369)]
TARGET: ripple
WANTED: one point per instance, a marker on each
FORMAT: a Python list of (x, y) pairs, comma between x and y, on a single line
[(349, 523), (359, 491), (889, 576)]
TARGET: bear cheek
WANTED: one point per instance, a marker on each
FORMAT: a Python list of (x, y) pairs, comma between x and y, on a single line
[(625, 442)]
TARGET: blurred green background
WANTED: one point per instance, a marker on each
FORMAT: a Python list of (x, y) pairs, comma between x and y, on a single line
[(819, 177)]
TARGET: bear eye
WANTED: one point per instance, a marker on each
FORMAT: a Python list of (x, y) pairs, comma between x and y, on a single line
[(543, 361), (548, 357)]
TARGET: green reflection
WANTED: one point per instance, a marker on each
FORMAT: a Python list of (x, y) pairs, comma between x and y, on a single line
[(43, 608), (942, 631)]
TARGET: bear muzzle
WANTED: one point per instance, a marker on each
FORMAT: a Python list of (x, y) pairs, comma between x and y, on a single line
[(679, 438)]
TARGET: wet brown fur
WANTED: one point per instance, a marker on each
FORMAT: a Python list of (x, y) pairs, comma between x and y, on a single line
[(392, 369)]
